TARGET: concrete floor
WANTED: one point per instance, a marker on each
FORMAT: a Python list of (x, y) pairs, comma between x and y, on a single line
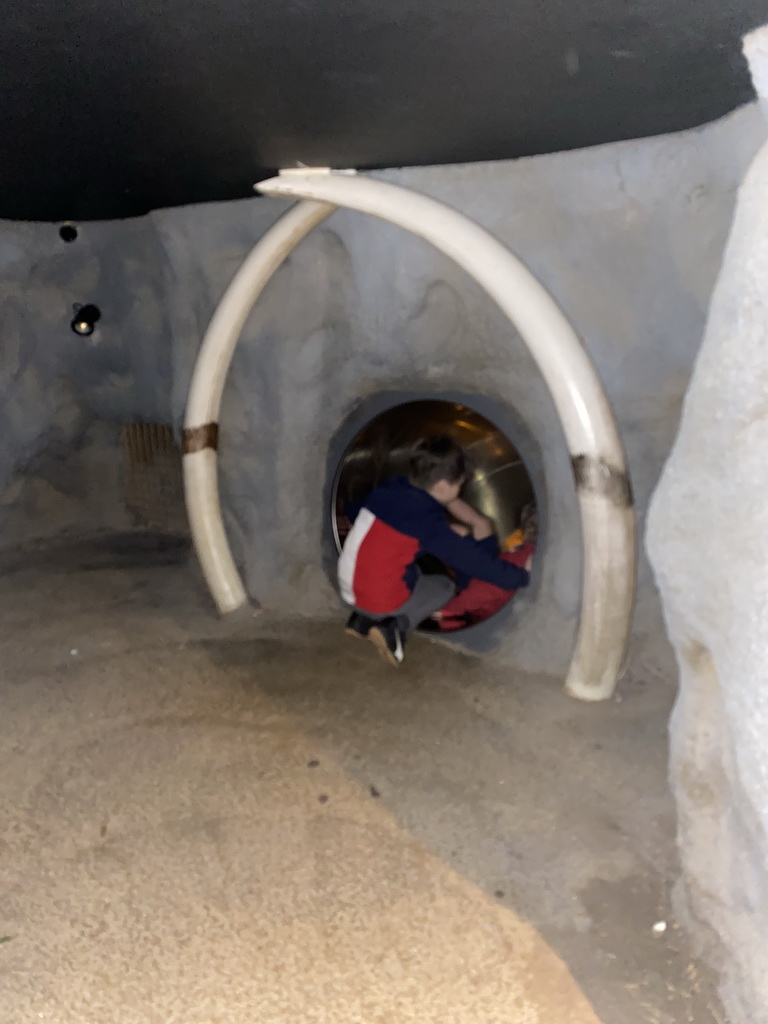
[(204, 826)]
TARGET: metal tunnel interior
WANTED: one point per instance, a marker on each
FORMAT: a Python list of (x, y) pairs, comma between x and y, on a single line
[(500, 486)]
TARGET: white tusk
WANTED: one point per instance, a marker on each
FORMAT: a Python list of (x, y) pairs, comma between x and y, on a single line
[(600, 475), (201, 421)]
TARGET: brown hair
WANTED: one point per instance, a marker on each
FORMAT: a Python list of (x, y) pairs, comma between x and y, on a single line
[(437, 458)]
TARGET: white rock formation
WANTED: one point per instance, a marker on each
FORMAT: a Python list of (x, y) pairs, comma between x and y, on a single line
[(708, 543)]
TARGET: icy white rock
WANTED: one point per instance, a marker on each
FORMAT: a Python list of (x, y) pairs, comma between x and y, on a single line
[(708, 543)]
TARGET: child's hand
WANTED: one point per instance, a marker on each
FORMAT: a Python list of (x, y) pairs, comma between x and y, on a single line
[(529, 563), (463, 531), (480, 525)]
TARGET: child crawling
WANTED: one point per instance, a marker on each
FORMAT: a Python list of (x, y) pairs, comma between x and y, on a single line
[(400, 522)]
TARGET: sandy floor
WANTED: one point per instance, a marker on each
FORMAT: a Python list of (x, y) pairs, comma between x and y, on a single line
[(272, 826)]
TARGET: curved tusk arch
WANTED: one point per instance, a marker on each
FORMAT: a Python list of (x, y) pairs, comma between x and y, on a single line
[(201, 419), (600, 475)]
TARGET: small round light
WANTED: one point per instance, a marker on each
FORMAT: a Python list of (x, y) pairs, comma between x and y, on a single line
[(85, 320)]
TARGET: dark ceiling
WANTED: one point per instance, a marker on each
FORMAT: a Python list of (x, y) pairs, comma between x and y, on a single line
[(113, 107)]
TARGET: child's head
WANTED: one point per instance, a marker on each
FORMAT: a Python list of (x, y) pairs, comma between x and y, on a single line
[(439, 466)]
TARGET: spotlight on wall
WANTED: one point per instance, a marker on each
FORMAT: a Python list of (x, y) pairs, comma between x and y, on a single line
[(85, 319)]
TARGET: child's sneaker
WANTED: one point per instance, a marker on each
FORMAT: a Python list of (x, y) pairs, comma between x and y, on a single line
[(389, 640), (358, 626)]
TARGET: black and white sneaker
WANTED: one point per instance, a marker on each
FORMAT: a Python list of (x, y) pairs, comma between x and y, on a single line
[(389, 640), (358, 626)]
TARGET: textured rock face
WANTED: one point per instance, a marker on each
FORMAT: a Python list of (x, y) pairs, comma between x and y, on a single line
[(628, 239), (708, 542)]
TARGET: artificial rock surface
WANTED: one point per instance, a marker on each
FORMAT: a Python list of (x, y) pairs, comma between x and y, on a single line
[(200, 829), (628, 238), (708, 539)]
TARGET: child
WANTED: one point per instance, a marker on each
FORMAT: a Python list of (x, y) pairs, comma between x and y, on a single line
[(402, 520), (480, 600)]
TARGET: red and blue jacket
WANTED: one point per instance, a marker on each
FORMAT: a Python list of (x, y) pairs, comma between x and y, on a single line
[(398, 523)]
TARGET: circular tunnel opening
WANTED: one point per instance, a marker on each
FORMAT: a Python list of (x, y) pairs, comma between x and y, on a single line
[(500, 486)]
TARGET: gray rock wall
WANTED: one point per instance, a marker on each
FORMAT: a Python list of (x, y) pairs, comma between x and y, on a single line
[(628, 238), (708, 539)]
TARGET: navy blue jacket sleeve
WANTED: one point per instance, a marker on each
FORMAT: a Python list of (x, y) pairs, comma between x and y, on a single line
[(472, 558), (352, 510)]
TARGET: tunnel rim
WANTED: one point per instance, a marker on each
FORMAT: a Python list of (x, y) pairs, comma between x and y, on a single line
[(489, 635)]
